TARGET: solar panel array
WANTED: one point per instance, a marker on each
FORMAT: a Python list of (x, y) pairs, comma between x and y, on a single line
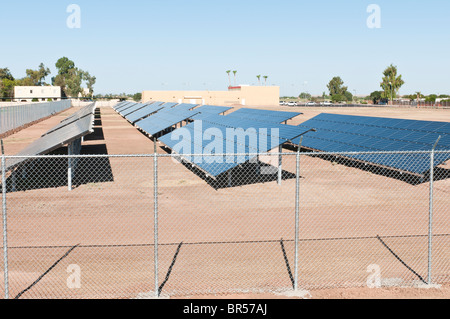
[(84, 112), (133, 109), (163, 120), (208, 110), (144, 112), (263, 115), (59, 136), (334, 133), (239, 139), (158, 117), (346, 133)]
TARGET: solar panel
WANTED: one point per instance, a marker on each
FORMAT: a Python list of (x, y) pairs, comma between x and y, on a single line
[(134, 108), (54, 140), (235, 136), (124, 106), (346, 133), (263, 115), (185, 106), (118, 105), (208, 110), (145, 111), (162, 120), (85, 111), (168, 105)]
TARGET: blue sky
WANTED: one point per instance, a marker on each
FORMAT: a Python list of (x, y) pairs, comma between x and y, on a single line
[(138, 45)]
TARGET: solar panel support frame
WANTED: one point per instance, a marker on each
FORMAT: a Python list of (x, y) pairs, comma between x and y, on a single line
[(280, 164), (74, 148)]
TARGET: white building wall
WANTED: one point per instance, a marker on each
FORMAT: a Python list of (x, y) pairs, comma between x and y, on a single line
[(42, 93)]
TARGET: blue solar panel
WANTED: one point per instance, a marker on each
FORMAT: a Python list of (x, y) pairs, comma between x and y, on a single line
[(185, 106), (132, 109), (346, 133), (126, 106), (119, 105), (162, 120), (208, 110), (221, 135), (168, 105), (145, 111), (263, 115), (123, 104)]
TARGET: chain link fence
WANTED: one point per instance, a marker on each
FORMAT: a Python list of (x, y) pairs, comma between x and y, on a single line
[(16, 116), (137, 226)]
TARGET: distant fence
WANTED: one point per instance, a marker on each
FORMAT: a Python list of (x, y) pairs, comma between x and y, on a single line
[(148, 225), (18, 115), (441, 105)]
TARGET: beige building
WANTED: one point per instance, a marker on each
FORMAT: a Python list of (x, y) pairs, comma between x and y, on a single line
[(240, 95), (41, 93)]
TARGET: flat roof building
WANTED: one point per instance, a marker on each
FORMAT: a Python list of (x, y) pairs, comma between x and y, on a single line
[(239, 95), (41, 93)]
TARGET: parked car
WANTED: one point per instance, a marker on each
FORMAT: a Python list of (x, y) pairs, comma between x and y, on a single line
[(326, 103), (311, 104), (282, 103), (291, 103)]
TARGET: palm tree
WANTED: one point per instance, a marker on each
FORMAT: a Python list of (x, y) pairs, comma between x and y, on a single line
[(265, 79), (234, 72), (229, 78), (259, 79)]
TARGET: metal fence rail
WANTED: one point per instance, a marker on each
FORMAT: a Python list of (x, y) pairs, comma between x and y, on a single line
[(136, 226), (15, 116)]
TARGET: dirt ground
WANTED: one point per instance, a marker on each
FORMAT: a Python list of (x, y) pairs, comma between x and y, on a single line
[(216, 239)]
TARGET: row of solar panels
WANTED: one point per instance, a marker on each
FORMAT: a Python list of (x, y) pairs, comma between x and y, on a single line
[(206, 124), (68, 130), (334, 133), (346, 133)]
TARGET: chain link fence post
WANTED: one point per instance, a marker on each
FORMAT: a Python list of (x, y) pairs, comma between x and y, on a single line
[(155, 176), (297, 211), (430, 219), (5, 234)]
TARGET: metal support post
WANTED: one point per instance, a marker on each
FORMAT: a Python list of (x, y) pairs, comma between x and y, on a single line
[(5, 228), (70, 166), (430, 220), (155, 176), (297, 213), (280, 164)]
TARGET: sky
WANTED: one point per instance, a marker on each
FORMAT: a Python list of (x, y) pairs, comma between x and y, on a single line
[(136, 45)]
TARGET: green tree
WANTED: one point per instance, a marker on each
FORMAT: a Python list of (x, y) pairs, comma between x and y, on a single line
[(234, 73), (137, 97), (70, 78), (265, 79), (7, 83), (336, 98), (90, 82), (259, 79), (376, 96), (391, 83), (7, 88), (6, 74), (37, 76), (229, 77), (431, 98), (348, 96), (305, 96), (336, 86), (73, 82), (64, 65)]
